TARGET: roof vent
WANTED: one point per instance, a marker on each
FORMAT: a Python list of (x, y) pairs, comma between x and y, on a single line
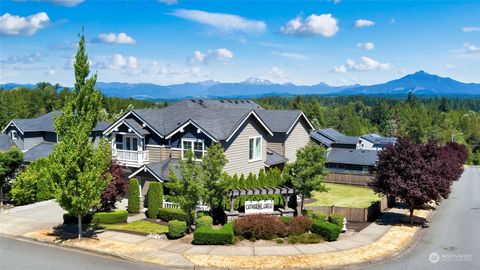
[(192, 100)]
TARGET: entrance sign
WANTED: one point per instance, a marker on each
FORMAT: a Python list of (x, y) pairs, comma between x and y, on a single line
[(259, 207)]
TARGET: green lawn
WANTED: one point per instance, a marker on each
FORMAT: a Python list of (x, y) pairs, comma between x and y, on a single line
[(139, 226), (345, 195)]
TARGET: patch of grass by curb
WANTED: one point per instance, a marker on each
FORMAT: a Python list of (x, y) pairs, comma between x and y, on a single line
[(139, 226), (345, 195)]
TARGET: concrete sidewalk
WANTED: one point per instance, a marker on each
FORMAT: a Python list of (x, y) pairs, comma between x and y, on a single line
[(377, 241)]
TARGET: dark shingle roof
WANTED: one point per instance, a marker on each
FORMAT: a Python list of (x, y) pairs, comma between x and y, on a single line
[(352, 156), (379, 141), (274, 158), (161, 169), (217, 104), (329, 136), (42, 150), (45, 123), (5, 142), (279, 120), (135, 125)]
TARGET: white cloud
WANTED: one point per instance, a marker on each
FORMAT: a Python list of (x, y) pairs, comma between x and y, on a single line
[(221, 21), (402, 71), (366, 64), (168, 2), (117, 61), (50, 72), (314, 25), (468, 29), (290, 55), (66, 3), (24, 59), (363, 23), (277, 73), (120, 38), (366, 46), (470, 48), (217, 55), (15, 25)]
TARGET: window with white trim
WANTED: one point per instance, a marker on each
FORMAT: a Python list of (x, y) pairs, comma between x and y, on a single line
[(255, 148), (15, 135), (195, 145)]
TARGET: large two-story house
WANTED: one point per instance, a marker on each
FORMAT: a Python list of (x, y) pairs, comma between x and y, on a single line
[(36, 137), (253, 138)]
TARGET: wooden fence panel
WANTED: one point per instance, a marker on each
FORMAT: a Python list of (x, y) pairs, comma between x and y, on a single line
[(348, 179)]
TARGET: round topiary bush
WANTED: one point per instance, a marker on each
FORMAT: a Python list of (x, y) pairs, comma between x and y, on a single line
[(327, 230), (205, 221), (177, 228)]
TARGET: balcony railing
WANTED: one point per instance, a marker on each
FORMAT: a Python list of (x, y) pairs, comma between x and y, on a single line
[(130, 157)]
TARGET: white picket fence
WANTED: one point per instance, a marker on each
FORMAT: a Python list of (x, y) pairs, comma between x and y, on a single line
[(200, 207)]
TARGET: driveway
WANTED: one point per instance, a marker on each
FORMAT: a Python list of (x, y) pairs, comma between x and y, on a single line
[(453, 239), (22, 219)]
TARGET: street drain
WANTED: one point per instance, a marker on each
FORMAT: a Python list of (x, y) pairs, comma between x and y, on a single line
[(449, 248)]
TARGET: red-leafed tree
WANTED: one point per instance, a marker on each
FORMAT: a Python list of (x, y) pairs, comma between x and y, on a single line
[(116, 189), (414, 173)]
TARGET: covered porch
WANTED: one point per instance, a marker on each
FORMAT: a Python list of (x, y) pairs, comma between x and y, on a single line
[(128, 143)]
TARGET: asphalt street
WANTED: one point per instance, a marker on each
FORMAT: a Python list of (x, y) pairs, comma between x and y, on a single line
[(452, 240)]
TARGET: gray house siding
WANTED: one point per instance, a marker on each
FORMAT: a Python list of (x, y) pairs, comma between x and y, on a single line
[(276, 143), (299, 137), (50, 137), (236, 150), (189, 132)]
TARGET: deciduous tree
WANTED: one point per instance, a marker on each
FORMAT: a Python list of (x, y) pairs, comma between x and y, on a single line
[(10, 162), (116, 189), (215, 180)]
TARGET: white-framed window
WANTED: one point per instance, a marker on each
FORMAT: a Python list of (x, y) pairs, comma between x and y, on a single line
[(195, 145), (14, 135), (124, 142), (255, 148)]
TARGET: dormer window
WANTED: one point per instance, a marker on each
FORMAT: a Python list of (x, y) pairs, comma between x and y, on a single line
[(195, 145), (14, 135), (255, 148)]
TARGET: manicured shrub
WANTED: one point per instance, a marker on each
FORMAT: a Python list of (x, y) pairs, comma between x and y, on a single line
[(336, 219), (316, 215), (72, 219), (327, 230), (133, 196), (116, 189), (167, 214), (260, 227), (306, 238), (176, 228), (155, 199), (299, 225), (286, 220), (207, 235), (205, 221), (110, 217)]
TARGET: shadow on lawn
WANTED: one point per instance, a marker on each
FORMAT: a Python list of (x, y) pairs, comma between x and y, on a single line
[(66, 232), (396, 218)]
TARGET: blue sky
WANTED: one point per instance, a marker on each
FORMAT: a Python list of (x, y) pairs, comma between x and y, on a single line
[(304, 42)]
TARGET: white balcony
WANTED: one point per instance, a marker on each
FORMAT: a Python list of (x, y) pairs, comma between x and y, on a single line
[(130, 157)]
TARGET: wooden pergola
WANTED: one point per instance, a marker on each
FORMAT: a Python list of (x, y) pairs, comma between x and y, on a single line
[(286, 192)]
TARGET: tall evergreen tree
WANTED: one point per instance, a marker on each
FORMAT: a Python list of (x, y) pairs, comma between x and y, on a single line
[(78, 170)]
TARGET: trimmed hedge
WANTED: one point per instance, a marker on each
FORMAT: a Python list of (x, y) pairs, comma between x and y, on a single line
[(133, 196), (316, 215), (167, 214), (205, 221), (176, 228), (327, 230), (154, 199), (336, 219), (210, 236), (110, 217), (71, 219)]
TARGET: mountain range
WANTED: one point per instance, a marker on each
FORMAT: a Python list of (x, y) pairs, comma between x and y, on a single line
[(420, 83)]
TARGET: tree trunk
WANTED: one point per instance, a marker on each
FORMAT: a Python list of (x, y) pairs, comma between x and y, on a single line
[(301, 205), (411, 214), (79, 226), (1, 195)]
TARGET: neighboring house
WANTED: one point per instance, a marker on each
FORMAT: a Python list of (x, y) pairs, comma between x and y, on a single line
[(331, 138), (5, 142), (351, 155), (36, 137), (374, 141), (253, 138)]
